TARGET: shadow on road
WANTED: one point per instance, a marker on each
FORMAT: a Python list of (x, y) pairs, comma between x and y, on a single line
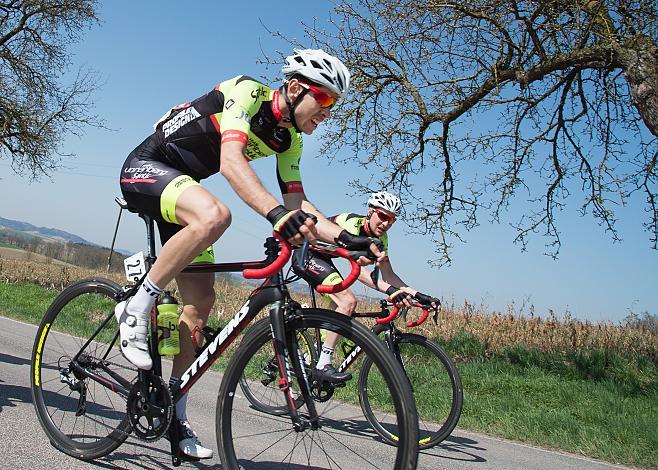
[(19, 361), (13, 393), (456, 448), (146, 456)]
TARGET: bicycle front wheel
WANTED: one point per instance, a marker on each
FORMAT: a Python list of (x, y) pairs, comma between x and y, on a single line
[(77, 337), (436, 386), (247, 438)]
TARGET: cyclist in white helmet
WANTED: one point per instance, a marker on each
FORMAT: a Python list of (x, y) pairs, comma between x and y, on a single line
[(238, 121), (318, 269)]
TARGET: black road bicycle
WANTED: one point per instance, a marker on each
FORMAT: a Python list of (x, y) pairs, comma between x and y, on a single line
[(434, 379), (89, 398)]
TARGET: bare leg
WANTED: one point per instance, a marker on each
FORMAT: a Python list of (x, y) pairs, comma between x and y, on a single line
[(204, 220), (343, 302), (198, 296)]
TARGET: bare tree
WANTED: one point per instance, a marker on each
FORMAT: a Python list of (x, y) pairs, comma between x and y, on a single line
[(525, 103), (41, 99)]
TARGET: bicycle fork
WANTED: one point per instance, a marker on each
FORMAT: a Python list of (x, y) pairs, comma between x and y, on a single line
[(289, 360), (392, 340)]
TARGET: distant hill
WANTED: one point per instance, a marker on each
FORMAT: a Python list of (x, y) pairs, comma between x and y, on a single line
[(43, 232), (54, 244)]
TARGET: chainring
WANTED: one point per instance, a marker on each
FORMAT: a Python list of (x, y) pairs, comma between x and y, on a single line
[(150, 408), (322, 391)]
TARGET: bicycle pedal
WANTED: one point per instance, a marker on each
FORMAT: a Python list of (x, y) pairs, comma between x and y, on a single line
[(188, 458), (326, 384)]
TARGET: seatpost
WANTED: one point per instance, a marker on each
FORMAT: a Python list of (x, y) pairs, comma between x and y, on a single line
[(114, 238), (150, 238)]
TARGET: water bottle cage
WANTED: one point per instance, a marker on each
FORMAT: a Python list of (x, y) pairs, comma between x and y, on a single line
[(208, 334), (347, 348), (163, 333)]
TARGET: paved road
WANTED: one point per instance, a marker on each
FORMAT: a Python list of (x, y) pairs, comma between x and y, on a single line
[(24, 444)]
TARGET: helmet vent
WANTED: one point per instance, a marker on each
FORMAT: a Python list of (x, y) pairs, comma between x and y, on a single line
[(318, 67)]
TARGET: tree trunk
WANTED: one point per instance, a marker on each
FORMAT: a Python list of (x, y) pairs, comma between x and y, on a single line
[(639, 61)]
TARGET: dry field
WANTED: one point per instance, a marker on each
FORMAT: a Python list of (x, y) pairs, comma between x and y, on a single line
[(494, 331)]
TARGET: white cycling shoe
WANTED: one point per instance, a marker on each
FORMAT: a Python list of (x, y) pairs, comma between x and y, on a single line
[(133, 330), (189, 443)]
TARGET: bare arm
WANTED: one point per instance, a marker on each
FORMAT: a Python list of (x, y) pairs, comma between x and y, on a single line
[(389, 277), (386, 279), (327, 230), (236, 170)]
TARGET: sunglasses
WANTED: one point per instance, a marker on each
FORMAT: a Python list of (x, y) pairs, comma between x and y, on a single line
[(384, 217), (324, 100)]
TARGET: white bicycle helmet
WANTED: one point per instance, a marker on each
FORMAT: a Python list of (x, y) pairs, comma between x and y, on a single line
[(385, 200), (320, 68)]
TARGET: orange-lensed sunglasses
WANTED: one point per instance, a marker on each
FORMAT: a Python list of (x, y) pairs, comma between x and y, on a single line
[(324, 100), (384, 217)]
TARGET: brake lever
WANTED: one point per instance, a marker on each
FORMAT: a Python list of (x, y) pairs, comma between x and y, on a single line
[(304, 251), (374, 276), (355, 255)]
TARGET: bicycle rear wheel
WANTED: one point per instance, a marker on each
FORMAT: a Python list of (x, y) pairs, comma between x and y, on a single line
[(247, 438), (259, 381), (436, 386), (80, 416)]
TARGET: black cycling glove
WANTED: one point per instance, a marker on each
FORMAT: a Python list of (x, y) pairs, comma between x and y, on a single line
[(286, 222), (401, 295), (356, 243), (426, 299)]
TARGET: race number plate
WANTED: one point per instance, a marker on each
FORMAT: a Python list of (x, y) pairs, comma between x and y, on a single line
[(135, 266)]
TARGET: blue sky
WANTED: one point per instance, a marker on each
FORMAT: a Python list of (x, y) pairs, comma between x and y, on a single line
[(150, 60)]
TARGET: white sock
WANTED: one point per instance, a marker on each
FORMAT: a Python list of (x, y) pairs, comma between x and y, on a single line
[(142, 302), (325, 357)]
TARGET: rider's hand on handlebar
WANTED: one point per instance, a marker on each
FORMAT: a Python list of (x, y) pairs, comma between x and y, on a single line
[(358, 243), (400, 296), (428, 300), (294, 226)]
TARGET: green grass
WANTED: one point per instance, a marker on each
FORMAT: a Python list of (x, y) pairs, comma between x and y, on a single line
[(597, 419), (548, 400), (26, 302)]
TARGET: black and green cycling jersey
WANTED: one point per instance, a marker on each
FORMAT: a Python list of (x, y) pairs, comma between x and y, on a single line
[(186, 147), (189, 136)]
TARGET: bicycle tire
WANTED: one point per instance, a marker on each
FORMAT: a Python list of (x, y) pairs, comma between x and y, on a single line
[(432, 374), (96, 417), (261, 388), (236, 427)]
